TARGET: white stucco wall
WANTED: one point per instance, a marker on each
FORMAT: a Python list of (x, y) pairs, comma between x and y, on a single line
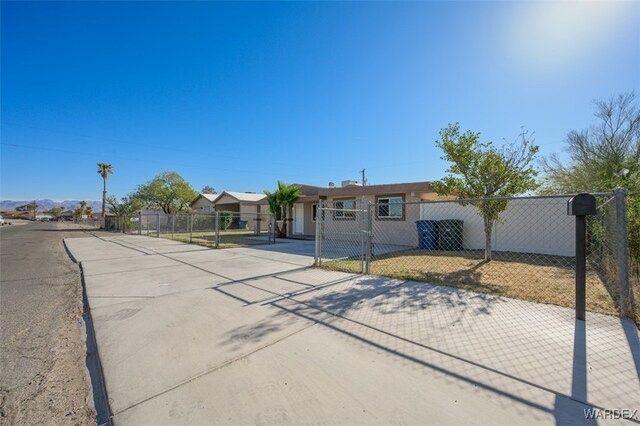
[(539, 225)]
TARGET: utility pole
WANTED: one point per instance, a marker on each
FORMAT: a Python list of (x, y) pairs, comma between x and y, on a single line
[(364, 180), (35, 209)]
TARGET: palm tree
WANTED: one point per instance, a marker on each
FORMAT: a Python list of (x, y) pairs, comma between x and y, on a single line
[(80, 210), (104, 170), (286, 196), (274, 207)]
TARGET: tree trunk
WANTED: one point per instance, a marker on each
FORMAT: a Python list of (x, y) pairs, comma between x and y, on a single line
[(283, 231), (104, 197), (488, 228)]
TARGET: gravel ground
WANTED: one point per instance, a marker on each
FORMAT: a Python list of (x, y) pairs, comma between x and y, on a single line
[(43, 377)]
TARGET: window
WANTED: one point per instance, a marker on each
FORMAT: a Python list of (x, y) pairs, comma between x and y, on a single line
[(390, 208), (344, 209)]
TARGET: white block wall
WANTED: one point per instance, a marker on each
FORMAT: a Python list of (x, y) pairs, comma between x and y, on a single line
[(538, 225)]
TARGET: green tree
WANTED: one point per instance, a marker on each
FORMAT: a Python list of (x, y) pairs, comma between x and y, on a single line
[(27, 207), (167, 191), (104, 170), (275, 208), (599, 153), (208, 190), (480, 170), (79, 211), (125, 207), (55, 211), (603, 157)]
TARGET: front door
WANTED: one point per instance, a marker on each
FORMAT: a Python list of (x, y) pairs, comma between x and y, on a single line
[(298, 218)]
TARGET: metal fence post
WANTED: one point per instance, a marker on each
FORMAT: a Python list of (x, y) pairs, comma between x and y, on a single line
[(158, 226), (369, 234), (190, 228), (359, 212), (123, 226), (318, 251), (173, 225), (217, 230), (622, 253), (139, 222)]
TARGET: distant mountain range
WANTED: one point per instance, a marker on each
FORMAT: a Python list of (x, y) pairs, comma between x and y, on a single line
[(47, 204)]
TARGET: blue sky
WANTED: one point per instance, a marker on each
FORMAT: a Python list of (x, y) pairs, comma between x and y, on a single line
[(238, 95)]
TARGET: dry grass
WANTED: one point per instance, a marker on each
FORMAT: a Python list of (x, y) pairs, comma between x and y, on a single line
[(545, 279)]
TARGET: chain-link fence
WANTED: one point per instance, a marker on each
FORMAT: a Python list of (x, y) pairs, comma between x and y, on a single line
[(125, 225), (219, 229), (522, 248)]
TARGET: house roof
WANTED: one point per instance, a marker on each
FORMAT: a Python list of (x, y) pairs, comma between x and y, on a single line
[(241, 197), (309, 193), (385, 189), (208, 197)]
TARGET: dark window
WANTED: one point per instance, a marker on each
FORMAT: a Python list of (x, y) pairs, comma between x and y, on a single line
[(345, 209), (390, 208)]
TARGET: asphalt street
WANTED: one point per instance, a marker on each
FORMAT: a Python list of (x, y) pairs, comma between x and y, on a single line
[(43, 378)]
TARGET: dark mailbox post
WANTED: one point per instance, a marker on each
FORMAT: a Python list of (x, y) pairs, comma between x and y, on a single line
[(581, 206)]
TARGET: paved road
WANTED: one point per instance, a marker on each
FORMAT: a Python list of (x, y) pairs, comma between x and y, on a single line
[(43, 378)]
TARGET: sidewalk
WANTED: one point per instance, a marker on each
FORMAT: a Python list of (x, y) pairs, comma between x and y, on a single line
[(189, 335)]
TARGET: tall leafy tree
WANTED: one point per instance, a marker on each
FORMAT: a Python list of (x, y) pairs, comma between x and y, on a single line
[(167, 191), (483, 171), (208, 190), (598, 154), (125, 207), (603, 157)]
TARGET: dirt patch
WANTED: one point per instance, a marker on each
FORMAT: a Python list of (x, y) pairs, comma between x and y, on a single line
[(545, 279), (43, 375)]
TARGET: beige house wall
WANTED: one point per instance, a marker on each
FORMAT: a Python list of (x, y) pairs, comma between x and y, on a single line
[(402, 232), (249, 213), (202, 205), (226, 200)]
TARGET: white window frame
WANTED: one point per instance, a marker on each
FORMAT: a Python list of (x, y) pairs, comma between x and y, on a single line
[(379, 203)]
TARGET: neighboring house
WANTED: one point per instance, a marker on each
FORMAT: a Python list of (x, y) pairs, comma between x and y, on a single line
[(246, 206), (204, 203)]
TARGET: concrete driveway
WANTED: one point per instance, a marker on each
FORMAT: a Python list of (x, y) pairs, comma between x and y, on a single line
[(188, 335)]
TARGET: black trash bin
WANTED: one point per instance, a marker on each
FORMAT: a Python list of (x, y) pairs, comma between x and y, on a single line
[(450, 234), (427, 234)]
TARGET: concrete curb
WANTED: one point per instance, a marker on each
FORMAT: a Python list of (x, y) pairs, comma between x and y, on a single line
[(93, 363)]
